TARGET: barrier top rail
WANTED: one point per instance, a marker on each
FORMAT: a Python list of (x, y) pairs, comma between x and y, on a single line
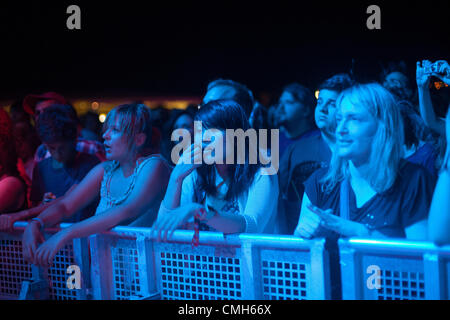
[(392, 245), (206, 238), (285, 241)]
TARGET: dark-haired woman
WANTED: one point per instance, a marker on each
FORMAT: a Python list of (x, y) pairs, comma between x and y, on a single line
[(223, 195)]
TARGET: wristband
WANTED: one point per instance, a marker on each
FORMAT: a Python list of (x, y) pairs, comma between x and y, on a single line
[(41, 223)]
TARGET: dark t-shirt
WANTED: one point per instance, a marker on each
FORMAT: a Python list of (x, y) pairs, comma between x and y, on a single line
[(284, 142), (426, 156), (300, 160), (389, 212), (58, 181)]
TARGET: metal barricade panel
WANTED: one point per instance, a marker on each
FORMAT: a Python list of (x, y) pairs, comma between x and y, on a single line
[(446, 279), (13, 268), (237, 267), (125, 267), (400, 278), (285, 275), (57, 275), (202, 273), (393, 269)]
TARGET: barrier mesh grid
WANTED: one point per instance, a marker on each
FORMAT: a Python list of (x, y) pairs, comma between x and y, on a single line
[(126, 274), (199, 277), (284, 280), (13, 268), (57, 275), (396, 285)]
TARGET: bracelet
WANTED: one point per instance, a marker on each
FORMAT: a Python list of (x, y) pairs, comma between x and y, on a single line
[(41, 223)]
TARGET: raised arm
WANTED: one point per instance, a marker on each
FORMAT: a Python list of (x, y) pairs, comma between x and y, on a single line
[(186, 165), (425, 103), (439, 216)]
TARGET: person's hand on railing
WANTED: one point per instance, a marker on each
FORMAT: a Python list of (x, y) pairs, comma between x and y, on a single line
[(7, 222), (31, 238), (166, 223), (47, 251)]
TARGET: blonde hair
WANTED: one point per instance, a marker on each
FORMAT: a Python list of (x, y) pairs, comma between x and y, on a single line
[(387, 145)]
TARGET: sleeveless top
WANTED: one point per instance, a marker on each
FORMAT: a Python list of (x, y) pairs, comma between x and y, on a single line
[(108, 201)]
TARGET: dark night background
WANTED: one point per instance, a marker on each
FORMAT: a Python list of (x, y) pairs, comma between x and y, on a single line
[(127, 47)]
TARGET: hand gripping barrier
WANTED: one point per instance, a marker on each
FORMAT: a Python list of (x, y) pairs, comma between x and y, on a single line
[(19, 279), (127, 263), (394, 269)]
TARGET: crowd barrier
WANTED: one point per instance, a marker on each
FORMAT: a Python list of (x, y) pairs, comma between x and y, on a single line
[(21, 280), (128, 264), (394, 270)]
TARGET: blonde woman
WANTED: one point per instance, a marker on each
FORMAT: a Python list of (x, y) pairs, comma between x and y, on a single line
[(368, 190)]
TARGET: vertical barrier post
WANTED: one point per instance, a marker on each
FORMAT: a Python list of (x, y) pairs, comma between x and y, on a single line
[(250, 272), (146, 267), (81, 257), (350, 272), (101, 268), (320, 289), (434, 277), (37, 287)]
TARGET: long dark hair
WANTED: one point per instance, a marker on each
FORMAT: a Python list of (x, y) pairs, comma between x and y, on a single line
[(222, 115)]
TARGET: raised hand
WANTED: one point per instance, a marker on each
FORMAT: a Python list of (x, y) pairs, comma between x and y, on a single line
[(188, 162), (423, 77), (442, 71)]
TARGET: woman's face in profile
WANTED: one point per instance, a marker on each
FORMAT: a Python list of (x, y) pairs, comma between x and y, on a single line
[(115, 142), (355, 131)]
